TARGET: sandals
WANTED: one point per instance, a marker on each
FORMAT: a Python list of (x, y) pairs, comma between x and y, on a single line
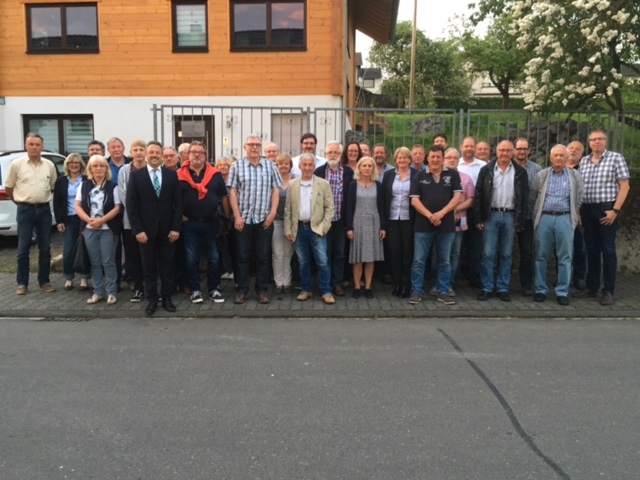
[(94, 299), (111, 300), (68, 285)]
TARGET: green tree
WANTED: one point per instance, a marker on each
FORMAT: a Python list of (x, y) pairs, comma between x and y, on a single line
[(439, 70), (497, 55), (579, 49)]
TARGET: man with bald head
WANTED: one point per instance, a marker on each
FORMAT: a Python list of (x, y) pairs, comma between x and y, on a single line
[(500, 210), (271, 151), (556, 193), (483, 151)]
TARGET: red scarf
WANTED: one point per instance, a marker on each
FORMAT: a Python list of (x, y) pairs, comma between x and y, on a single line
[(185, 175)]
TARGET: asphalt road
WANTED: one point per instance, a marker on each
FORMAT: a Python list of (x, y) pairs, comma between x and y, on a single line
[(319, 399)]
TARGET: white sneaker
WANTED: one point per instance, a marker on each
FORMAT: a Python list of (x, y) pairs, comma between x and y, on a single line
[(196, 297)]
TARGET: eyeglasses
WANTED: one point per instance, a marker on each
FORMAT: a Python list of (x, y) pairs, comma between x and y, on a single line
[(253, 145), (197, 152), (309, 143), (597, 139)]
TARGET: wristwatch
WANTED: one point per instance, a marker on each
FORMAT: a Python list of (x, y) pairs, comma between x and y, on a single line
[(616, 210)]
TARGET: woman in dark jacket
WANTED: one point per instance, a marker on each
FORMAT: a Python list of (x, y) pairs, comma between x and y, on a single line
[(67, 221), (98, 205), (400, 216)]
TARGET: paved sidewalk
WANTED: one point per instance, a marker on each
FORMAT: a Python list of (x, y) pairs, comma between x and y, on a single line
[(65, 305)]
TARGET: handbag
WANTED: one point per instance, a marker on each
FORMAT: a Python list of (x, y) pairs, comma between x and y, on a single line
[(80, 255)]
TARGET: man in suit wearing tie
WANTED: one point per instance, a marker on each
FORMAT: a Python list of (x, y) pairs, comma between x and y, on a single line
[(154, 207), (308, 214)]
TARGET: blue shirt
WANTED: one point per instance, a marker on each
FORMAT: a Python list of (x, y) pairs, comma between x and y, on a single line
[(72, 190), (558, 195)]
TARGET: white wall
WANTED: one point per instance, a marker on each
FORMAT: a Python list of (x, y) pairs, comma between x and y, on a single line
[(132, 117)]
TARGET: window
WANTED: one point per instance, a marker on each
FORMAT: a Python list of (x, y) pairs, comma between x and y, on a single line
[(62, 134), (189, 19), (368, 83), (268, 25), (62, 28)]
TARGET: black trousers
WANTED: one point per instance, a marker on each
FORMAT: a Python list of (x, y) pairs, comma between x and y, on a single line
[(400, 241), (132, 253), (158, 251), (525, 245)]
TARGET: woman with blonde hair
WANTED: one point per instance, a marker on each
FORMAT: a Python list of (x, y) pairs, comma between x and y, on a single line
[(98, 205), (64, 210), (281, 248), (365, 224)]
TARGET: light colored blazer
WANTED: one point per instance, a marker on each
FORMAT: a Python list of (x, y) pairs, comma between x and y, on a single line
[(539, 192), (322, 207)]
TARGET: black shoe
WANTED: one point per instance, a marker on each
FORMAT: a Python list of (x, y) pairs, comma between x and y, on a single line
[(504, 296), (397, 291), (137, 296), (527, 291), (368, 293), (152, 306), (168, 305), (564, 301), (356, 293), (406, 292), (484, 295), (580, 284), (540, 297)]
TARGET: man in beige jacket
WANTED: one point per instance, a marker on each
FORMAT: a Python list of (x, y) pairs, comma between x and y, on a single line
[(308, 214)]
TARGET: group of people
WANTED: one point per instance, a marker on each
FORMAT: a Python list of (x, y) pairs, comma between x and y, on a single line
[(341, 215)]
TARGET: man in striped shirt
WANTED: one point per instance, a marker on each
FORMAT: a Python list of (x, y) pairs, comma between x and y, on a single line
[(253, 190)]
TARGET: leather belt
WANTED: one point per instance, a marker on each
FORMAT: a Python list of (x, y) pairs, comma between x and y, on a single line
[(33, 204), (304, 223), (503, 210), (555, 213)]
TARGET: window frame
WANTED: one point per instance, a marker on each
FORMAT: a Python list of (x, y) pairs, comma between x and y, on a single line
[(63, 6), (26, 118), (268, 47), (175, 48)]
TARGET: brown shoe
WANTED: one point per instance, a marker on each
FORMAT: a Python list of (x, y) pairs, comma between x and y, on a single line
[(328, 299), (606, 299), (239, 300), (339, 291), (47, 287), (21, 290), (302, 296), (263, 298)]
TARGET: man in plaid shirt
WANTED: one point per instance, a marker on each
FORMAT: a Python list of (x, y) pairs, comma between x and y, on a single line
[(339, 176), (606, 184), (253, 190)]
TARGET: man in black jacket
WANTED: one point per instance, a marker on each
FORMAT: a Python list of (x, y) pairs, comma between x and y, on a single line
[(155, 212), (500, 207)]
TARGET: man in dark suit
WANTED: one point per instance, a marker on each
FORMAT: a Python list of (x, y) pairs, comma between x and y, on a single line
[(154, 207)]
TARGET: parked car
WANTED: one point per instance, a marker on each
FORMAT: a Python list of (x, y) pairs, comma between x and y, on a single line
[(8, 224)]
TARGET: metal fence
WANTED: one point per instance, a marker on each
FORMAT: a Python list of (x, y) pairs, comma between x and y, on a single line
[(224, 128)]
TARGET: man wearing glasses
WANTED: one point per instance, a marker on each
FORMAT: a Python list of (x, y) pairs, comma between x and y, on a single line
[(525, 237), (253, 191), (606, 184), (308, 144)]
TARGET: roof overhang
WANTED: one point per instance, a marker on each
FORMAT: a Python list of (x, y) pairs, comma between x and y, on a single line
[(376, 18)]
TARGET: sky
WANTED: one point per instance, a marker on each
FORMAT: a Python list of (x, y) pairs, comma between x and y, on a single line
[(433, 19)]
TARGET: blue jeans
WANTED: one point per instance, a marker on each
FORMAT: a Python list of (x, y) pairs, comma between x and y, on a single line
[(421, 245), (29, 217), (253, 237), (336, 248), (456, 247), (559, 230), (194, 235), (308, 242), (69, 239), (601, 246), (101, 245), (499, 233)]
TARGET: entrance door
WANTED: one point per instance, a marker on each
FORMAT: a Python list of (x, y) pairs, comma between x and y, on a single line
[(191, 127), (286, 130)]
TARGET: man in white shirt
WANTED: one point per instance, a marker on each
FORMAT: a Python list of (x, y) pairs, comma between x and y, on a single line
[(308, 144)]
